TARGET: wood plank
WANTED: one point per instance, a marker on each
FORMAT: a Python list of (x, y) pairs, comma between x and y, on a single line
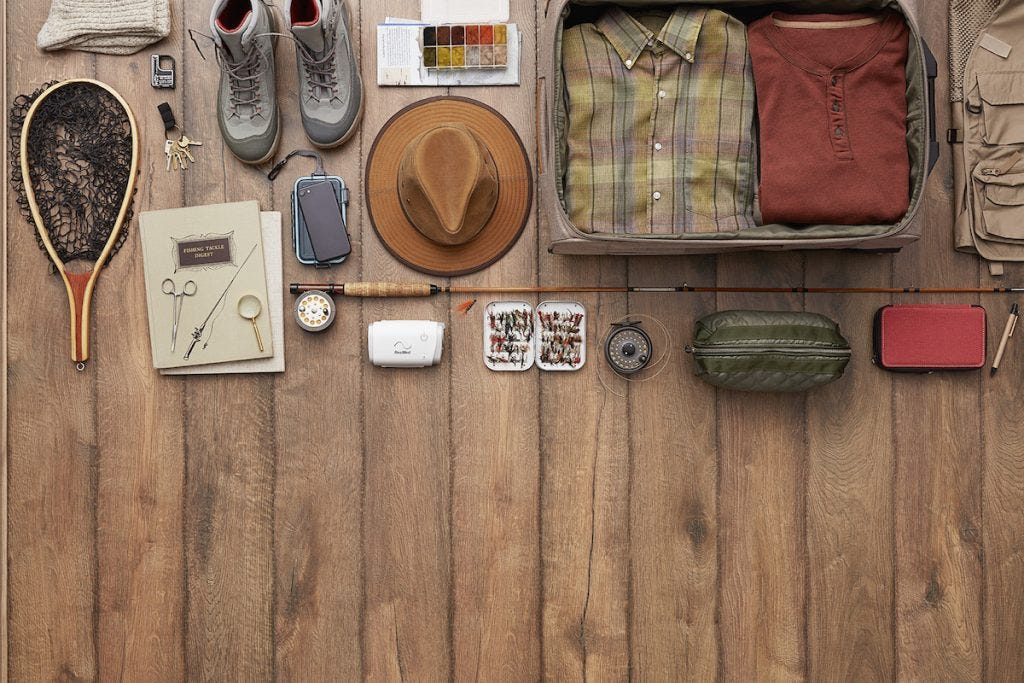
[(230, 438), (495, 457), (937, 427), (318, 517), (673, 495), (52, 442), (585, 465), (584, 487), (407, 509), (850, 470), (761, 506), (5, 409), (1002, 530), (139, 423), (1002, 511), (938, 569)]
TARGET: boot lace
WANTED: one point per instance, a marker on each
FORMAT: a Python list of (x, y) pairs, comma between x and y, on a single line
[(320, 67), (244, 81), (321, 72)]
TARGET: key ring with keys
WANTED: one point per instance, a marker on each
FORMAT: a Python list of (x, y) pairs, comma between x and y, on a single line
[(177, 151)]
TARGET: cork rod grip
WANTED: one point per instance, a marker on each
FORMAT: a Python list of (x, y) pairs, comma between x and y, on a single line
[(385, 290)]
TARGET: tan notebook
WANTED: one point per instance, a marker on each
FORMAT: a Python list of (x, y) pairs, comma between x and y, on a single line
[(273, 254), (219, 249)]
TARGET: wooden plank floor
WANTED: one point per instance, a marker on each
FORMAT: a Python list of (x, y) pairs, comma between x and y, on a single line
[(340, 521)]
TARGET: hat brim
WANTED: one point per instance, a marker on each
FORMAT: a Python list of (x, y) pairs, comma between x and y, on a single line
[(515, 187)]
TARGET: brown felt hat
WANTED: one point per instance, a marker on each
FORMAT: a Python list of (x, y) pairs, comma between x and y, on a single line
[(448, 186)]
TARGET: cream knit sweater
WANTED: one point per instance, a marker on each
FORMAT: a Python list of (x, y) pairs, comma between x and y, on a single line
[(116, 27)]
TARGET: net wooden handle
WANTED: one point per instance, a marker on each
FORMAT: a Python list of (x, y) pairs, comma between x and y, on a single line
[(386, 290), (79, 295)]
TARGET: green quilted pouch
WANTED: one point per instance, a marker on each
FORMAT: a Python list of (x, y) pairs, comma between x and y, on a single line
[(769, 350)]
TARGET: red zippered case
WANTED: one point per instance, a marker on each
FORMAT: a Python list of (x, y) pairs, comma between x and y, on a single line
[(930, 337)]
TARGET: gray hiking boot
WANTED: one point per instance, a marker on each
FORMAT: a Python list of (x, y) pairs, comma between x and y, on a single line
[(247, 98), (330, 90)]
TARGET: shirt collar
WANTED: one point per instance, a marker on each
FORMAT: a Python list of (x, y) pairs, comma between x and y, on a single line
[(628, 37)]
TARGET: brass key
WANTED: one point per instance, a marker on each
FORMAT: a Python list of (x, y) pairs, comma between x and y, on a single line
[(185, 142), (178, 154), (184, 150)]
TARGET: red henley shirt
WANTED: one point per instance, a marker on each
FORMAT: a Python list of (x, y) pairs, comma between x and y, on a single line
[(832, 105)]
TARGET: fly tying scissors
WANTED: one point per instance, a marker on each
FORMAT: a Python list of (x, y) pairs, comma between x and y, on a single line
[(177, 302)]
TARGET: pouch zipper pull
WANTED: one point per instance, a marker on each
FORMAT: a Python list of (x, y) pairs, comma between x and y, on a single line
[(1010, 164)]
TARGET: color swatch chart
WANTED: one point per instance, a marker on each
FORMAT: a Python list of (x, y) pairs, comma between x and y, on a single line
[(465, 46)]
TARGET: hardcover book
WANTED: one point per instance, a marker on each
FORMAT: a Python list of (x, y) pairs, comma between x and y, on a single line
[(272, 252), (199, 262)]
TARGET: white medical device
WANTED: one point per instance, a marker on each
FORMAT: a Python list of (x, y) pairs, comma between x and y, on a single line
[(405, 343)]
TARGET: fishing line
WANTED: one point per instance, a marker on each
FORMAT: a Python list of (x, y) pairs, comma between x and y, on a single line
[(658, 364)]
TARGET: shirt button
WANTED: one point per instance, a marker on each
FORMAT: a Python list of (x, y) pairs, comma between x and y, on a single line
[(657, 196), (835, 106), (657, 146), (688, 56), (662, 93), (839, 132), (835, 79), (629, 63)]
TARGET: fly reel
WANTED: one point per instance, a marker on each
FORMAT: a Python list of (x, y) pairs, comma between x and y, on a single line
[(314, 311), (628, 348)]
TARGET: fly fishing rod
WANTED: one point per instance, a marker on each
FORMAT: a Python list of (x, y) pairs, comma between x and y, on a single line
[(389, 290)]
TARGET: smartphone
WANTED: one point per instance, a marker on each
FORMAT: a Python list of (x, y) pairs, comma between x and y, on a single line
[(319, 220)]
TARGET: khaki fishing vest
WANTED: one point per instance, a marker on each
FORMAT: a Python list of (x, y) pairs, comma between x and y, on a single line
[(988, 142)]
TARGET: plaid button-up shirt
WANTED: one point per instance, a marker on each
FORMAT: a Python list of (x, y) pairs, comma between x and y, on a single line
[(659, 127)]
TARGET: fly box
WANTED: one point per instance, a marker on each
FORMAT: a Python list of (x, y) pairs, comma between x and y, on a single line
[(561, 329), (930, 337), (508, 336)]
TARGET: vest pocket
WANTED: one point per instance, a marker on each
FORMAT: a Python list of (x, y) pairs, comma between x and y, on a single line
[(1002, 203), (1001, 103)]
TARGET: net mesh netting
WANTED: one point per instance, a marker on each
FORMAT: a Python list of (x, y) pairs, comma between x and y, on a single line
[(79, 160), (966, 19)]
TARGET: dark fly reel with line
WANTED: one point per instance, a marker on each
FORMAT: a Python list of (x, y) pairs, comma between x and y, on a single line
[(628, 348)]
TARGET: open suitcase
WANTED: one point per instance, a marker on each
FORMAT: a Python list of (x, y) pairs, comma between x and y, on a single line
[(565, 238)]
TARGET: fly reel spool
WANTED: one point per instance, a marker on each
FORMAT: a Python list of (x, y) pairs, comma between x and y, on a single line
[(628, 348), (314, 311)]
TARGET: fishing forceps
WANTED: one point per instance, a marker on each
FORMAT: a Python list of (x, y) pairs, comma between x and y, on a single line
[(177, 302)]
